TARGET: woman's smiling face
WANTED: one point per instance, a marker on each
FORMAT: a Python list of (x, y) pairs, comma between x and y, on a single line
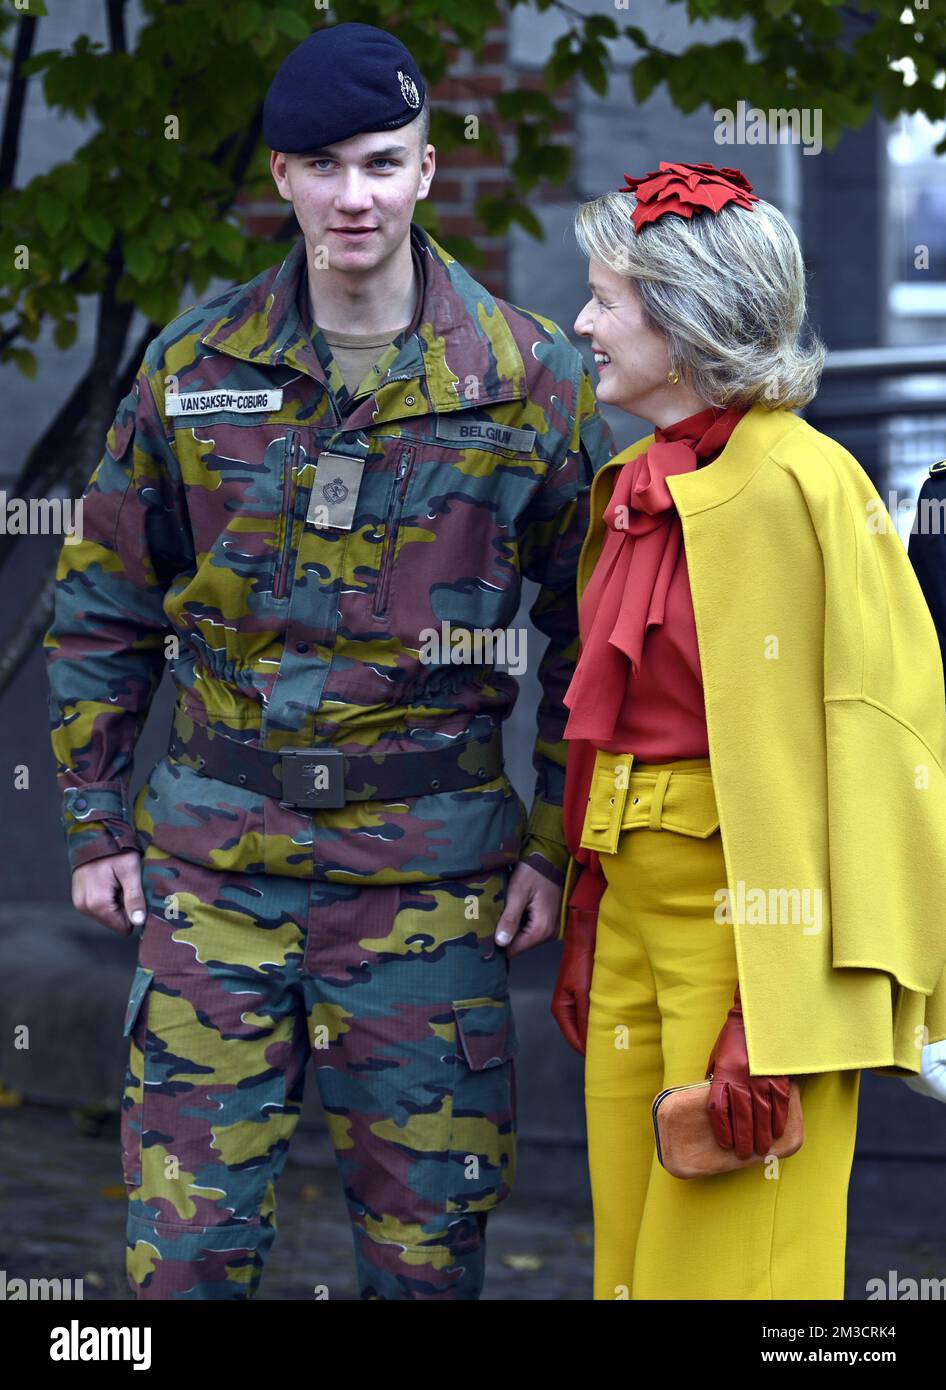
[(632, 357)]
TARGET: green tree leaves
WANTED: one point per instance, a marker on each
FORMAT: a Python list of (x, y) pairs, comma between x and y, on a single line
[(170, 145)]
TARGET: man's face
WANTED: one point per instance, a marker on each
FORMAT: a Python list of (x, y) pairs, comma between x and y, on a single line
[(356, 198)]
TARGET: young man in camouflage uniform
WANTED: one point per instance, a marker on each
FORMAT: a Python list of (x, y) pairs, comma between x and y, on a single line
[(312, 473)]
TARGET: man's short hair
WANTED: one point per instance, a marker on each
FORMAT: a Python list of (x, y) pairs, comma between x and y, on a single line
[(422, 122)]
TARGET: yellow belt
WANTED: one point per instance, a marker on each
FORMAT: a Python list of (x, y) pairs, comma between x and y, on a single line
[(676, 796)]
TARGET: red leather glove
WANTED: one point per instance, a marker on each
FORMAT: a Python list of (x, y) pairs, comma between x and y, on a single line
[(570, 999), (747, 1112)]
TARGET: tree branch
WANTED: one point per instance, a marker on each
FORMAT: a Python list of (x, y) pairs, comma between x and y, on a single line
[(92, 403), (245, 153), (569, 10), (70, 448), (43, 464), (9, 334), (851, 13), (16, 100), (116, 25)]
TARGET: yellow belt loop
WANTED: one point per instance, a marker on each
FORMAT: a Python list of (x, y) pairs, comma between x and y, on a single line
[(657, 802), (611, 779), (620, 771)]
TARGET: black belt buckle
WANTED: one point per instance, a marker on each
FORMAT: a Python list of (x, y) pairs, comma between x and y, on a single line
[(313, 776)]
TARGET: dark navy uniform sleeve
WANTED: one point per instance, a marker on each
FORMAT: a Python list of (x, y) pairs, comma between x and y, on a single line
[(927, 549)]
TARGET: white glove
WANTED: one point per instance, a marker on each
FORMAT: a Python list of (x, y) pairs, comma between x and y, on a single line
[(931, 1080)]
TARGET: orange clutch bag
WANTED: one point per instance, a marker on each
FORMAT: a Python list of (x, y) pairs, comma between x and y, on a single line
[(686, 1145)]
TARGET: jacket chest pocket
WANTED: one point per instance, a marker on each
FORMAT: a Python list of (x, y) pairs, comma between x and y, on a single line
[(241, 483), (450, 516), (397, 495)]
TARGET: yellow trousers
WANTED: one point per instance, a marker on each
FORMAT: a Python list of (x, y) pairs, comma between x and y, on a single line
[(664, 976)]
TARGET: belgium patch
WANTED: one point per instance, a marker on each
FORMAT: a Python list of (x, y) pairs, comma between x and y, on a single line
[(473, 432)]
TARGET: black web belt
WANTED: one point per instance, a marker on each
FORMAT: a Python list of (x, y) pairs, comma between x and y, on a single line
[(321, 776)]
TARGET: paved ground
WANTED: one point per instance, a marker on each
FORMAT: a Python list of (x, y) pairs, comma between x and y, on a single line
[(64, 1213), (64, 1216)]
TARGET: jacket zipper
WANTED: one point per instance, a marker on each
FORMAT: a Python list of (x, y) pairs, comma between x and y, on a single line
[(392, 522), (282, 564)]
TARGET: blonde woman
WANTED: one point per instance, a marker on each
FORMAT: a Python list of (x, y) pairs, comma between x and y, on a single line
[(755, 796)]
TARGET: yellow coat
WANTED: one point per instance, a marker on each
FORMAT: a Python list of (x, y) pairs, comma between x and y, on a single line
[(826, 719)]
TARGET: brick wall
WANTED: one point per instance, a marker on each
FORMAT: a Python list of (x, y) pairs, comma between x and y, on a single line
[(464, 175)]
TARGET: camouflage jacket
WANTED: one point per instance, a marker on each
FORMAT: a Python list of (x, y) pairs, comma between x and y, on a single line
[(479, 442)]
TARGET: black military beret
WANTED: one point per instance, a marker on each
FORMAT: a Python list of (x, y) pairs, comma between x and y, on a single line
[(340, 82)]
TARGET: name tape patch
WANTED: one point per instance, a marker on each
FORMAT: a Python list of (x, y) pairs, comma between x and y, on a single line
[(485, 432), (237, 402)]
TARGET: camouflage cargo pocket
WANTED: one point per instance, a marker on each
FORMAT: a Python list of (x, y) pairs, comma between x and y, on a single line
[(132, 1116), (481, 1161)]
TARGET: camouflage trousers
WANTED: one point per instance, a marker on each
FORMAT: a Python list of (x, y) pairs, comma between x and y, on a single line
[(400, 995)]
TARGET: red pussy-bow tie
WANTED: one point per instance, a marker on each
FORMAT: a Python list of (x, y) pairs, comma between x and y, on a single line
[(641, 510), (627, 592)]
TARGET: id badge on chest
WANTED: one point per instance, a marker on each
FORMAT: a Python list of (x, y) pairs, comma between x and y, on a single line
[(335, 490)]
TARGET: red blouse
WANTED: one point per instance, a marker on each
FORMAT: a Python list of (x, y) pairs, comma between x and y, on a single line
[(637, 686)]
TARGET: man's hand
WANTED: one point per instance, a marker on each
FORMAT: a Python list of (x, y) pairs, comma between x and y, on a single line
[(531, 893), (109, 889)]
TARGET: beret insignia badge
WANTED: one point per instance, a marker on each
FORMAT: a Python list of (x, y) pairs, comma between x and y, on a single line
[(409, 90)]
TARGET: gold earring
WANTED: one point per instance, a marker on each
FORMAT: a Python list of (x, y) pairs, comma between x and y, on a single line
[(672, 377)]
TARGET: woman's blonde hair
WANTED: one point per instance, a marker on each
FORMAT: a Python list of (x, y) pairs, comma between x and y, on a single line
[(727, 291)]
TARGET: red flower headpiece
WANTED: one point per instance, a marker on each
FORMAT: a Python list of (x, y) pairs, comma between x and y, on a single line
[(685, 189)]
